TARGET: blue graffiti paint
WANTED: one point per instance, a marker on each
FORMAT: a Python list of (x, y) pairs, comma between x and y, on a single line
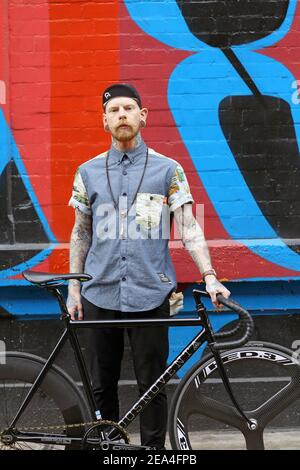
[(29, 303), (9, 151), (259, 298), (197, 86), (224, 183), (163, 21), (264, 298)]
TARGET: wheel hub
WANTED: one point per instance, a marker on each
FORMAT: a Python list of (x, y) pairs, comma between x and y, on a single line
[(6, 438)]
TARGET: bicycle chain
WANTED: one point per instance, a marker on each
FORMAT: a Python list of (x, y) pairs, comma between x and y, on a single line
[(77, 425)]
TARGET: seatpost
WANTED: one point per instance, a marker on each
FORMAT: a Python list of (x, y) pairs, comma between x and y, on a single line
[(60, 298)]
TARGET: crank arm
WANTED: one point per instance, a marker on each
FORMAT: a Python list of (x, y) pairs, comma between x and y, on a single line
[(110, 445)]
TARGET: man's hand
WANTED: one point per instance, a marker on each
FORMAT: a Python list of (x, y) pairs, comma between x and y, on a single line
[(176, 303), (74, 302), (214, 287)]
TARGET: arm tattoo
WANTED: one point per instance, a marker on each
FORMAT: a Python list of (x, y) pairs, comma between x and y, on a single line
[(192, 237), (80, 243)]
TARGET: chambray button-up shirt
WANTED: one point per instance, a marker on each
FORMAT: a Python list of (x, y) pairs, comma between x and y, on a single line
[(129, 257)]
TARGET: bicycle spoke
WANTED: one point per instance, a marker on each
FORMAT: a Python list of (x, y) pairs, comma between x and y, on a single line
[(254, 440), (198, 403), (279, 402), (265, 382), (23, 446), (54, 405), (5, 401)]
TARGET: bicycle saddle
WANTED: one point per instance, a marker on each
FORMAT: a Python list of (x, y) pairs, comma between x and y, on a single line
[(44, 279)]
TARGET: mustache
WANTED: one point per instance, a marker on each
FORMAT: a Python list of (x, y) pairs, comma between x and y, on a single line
[(124, 124)]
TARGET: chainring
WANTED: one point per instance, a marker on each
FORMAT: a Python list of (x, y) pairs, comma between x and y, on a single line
[(98, 433)]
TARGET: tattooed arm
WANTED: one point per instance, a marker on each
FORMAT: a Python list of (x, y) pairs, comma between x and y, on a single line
[(80, 243), (193, 239)]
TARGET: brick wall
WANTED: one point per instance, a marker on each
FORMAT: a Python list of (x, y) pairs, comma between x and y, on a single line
[(242, 160)]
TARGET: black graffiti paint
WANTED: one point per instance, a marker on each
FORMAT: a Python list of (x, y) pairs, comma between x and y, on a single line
[(19, 222), (226, 23), (259, 129), (263, 141)]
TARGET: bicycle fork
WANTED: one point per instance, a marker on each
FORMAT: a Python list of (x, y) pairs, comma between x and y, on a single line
[(252, 424)]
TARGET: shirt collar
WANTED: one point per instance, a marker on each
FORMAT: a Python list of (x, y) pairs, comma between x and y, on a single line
[(133, 155)]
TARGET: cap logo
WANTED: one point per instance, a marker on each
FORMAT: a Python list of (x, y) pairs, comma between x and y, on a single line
[(120, 89)]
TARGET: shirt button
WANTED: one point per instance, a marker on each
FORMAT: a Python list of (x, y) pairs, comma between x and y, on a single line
[(123, 258), (123, 278), (124, 172)]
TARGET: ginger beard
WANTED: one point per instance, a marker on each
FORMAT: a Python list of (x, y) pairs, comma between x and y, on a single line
[(123, 118), (125, 132)]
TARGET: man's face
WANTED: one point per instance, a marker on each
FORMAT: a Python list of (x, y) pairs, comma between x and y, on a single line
[(123, 117)]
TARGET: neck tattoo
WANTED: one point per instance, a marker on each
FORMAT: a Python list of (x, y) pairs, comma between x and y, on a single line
[(137, 141)]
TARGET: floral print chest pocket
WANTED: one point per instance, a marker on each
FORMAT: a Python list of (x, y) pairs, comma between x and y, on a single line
[(148, 209)]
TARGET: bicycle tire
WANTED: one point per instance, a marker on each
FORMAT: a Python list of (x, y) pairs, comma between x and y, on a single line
[(265, 379), (57, 402)]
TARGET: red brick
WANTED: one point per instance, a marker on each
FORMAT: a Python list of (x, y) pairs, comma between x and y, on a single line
[(27, 74), (29, 89), (28, 12), (36, 121), (70, 103), (30, 59), (101, 9), (76, 27), (41, 43), (65, 10), (31, 136), (26, 45), (29, 28)]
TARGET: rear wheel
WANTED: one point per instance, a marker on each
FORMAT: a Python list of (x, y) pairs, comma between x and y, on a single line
[(57, 402), (265, 379)]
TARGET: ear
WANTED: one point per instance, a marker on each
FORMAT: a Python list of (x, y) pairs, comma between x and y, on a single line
[(144, 114), (105, 125)]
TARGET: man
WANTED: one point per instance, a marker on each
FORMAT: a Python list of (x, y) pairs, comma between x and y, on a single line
[(121, 201)]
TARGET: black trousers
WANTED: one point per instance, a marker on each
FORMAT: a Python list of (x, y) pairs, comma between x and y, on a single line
[(150, 349)]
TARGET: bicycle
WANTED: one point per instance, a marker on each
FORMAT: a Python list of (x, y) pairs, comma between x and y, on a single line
[(219, 387)]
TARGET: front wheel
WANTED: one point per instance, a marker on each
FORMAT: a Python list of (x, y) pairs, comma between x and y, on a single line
[(265, 379), (56, 404)]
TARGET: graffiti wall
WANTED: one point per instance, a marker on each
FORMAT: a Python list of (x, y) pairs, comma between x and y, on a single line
[(221, 82)]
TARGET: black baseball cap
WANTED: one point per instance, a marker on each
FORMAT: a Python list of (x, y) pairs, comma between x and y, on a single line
[(120, 89)]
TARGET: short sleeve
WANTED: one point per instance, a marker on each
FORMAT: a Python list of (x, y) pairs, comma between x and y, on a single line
[(79, 198), (179, 190)]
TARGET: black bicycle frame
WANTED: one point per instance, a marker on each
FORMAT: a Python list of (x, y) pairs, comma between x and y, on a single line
[(70, 333), (171, 370)]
